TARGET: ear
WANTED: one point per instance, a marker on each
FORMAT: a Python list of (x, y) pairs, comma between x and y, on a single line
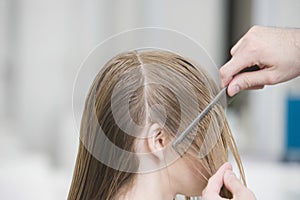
[(157, 141)]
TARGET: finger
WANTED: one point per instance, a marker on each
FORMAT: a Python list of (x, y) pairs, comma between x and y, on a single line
[(235, 48), (243, 42), (248, 80), (215, 182), (233, 67), (232, 183)]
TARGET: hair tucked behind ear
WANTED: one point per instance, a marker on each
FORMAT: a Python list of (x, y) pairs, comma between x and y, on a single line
[(94, 180)]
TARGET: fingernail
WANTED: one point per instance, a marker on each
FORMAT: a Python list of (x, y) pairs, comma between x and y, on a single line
[(235, 89)]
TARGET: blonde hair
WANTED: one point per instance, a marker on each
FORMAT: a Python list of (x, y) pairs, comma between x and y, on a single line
[(92, 179)]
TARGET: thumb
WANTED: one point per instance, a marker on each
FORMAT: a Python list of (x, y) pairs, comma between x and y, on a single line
[(215, 182), (232, 183)]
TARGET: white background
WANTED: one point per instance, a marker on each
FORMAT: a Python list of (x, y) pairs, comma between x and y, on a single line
[(43, 42)]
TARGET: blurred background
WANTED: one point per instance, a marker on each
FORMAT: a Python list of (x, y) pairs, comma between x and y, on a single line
[(43, 42)]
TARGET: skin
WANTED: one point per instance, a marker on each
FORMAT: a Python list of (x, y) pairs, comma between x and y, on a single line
[(166, 183), (275, 50), (180, 177), (225, 176)]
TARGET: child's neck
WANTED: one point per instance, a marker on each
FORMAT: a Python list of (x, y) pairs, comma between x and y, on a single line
[(154, 185)]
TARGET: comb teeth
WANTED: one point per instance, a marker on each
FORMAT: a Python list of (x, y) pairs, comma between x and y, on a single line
[(186, 133), (182, 146)]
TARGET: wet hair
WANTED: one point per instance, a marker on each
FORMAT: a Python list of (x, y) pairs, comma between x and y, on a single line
[(140, 71)]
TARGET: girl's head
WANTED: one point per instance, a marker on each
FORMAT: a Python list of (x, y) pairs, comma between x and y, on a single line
[(136, 107)]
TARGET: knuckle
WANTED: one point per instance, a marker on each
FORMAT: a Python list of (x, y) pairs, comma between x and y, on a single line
[(231, 51), (255, 29), (246, 82), (253, 46), (225, 74), (222, 73)]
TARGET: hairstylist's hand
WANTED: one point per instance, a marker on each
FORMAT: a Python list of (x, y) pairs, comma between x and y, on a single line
[(275, 50), (225, 176)]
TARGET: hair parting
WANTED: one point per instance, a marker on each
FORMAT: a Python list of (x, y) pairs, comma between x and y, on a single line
[(134, 75)]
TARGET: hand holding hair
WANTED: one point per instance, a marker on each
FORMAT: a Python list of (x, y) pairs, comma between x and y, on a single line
[(275, 50), (225, 176)]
